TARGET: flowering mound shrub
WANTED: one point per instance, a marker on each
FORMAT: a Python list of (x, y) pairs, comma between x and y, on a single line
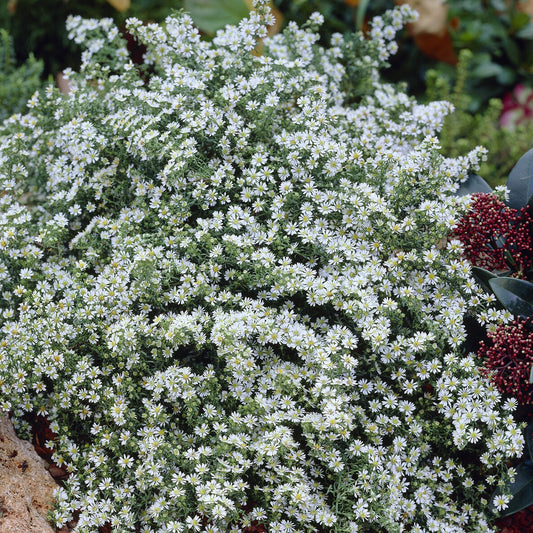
[(227, 284)]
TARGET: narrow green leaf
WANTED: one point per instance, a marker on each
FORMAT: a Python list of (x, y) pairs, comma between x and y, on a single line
[(521, 489), (482, 276), (520, 181), (473, 184), (212, 15), (507, 75), (360, 15), (509, 259), (516, 295), (531, 380)]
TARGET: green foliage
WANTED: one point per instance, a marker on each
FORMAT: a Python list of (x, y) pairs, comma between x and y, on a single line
[(338, 16), (211, 15), (150, 10), (472, 185), (482, 276), (521, 490), (520, 182), (463, 130), (516, 295), (501, 38), (38, 26), (17, 84)]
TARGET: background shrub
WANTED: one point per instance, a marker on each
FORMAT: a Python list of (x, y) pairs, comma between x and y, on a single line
[(17, 83)]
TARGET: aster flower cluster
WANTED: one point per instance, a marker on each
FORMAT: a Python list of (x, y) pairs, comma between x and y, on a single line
[(229, 287), (495, 236)]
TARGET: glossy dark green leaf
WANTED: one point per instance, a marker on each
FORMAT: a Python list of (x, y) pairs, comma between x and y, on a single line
[(521, 489), (526, 32), (487, 69), (473, 184), (482, 276), (529, 439), (212, 15), (520, 181), (500, 5), (507, 75), (516, 295), (519, 20)]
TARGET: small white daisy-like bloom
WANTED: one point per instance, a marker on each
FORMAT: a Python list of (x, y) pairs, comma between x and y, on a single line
[(501, 501)]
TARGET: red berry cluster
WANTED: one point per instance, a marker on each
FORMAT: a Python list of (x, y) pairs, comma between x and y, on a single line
[(508, 359), (521, 522), (496, 237)]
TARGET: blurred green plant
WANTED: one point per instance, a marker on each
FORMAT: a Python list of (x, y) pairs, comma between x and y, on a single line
[(38, 26), (463, 130), (17, 83), (211, 15), (339, 16), (500, 35)]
